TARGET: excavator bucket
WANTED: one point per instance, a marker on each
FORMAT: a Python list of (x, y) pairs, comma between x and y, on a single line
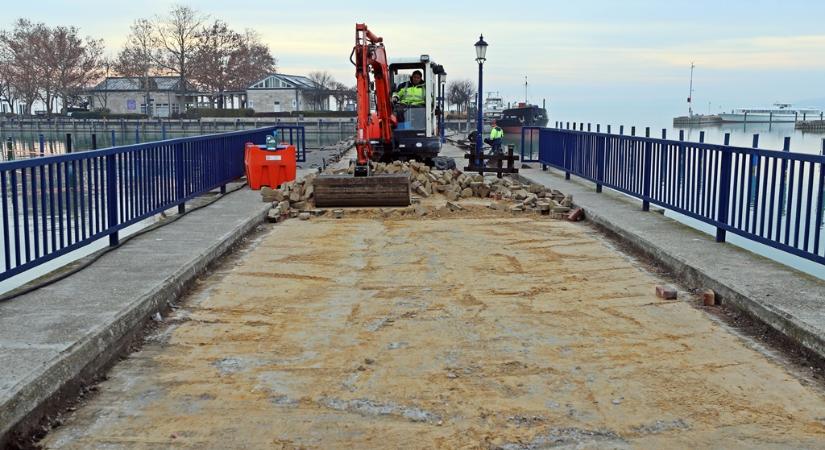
[(373, 190)]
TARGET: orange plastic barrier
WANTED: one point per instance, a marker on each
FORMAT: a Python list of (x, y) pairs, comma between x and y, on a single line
[(269, 167)]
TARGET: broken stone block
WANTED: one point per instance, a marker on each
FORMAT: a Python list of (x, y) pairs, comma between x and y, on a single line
[(273, 215), (451, 194), (576, 215), (666, 292), (300, 206), (304, 215), (520, 194), (422, 190), (517, 208), (452, 206), (283, 207), (567, 201), (338, 213), (466, 192), (709, 297)]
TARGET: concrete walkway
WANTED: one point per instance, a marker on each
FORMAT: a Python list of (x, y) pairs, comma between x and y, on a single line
[(56, 338), (787, 300), (475, 329), (783, 298)]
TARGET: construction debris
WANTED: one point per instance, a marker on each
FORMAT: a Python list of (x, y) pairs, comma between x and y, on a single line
[(666, 292), (292, 198), (709, 297)]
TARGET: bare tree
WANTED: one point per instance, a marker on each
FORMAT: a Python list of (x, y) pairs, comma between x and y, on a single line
[(73, 62), (323, 82), (107, 67), (211, 61), (7, 92), (24, 50), (341, 92), (177, 38), (139, 57), (460, 93), (252, 62)]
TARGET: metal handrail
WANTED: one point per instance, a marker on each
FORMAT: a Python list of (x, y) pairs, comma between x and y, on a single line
[(772, 197)]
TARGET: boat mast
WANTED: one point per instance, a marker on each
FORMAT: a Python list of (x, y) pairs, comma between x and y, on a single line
[(690, 95), (526, 101)]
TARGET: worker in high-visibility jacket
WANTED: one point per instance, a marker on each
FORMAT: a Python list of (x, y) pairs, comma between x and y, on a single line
[(496, 135), (412, 92)]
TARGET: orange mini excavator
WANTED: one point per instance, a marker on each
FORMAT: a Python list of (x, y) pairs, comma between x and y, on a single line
[(393, 130)]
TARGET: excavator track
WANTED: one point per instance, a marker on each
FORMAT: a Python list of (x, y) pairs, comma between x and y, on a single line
[(373, 190)]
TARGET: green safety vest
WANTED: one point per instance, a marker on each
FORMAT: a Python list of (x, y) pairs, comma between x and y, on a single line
[(412, 95), (496, 133)]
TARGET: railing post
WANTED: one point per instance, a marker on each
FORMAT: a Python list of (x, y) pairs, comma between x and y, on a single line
[(111, 199), (681, 172), (42, 141), (114, 142), (9, 150), (179, 177), (94, 141), (600, 163), (646, 173), (724, 190), (567, 152), (522, 145), (783, 173)]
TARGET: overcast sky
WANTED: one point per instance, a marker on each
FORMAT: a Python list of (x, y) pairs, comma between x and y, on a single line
[(592, 60)]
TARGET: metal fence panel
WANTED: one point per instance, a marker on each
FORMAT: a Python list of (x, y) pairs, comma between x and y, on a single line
[(57, 204), (771, 197)]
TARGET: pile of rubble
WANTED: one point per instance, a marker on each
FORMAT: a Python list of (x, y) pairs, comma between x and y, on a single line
[(295, 199)]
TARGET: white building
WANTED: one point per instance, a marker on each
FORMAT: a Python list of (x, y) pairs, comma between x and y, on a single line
[(282, 93)]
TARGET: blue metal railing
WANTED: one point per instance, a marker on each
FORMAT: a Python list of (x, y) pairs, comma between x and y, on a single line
[(771, 197), (54, 205)]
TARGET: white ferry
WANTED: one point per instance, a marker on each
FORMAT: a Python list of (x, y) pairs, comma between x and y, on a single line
[(780, 112)]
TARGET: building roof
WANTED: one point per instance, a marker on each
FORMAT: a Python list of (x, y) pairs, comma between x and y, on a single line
[(165, 83), (284, 81)]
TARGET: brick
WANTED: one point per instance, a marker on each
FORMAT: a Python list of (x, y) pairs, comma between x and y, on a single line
[(709, 297), (666, 292), (576, 215)]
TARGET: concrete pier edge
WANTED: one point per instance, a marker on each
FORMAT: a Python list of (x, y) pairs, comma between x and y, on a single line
[(53, 386), (728, 294)]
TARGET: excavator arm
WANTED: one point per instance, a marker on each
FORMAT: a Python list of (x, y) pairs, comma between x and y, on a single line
[(374, 135), (369, 57)]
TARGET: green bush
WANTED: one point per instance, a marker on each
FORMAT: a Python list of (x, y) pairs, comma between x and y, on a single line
[(105, 114), (308, 114)]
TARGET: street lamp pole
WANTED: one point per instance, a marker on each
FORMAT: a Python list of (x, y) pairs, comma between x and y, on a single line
[(481, 51)]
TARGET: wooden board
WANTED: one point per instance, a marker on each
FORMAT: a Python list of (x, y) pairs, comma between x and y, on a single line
[(375, 190)]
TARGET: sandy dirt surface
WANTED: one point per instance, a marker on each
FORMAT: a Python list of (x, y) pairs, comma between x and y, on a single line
[(467, 331)]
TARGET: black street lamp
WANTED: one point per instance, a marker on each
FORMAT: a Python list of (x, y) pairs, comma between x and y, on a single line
[(481, 52)]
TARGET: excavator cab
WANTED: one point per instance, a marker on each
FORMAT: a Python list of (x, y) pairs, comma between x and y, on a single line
[(416, 135)]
